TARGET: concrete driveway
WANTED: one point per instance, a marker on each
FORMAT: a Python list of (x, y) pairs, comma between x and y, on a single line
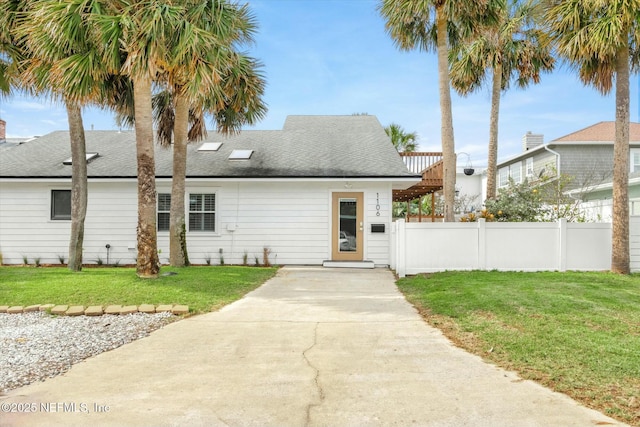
[(312, 347)]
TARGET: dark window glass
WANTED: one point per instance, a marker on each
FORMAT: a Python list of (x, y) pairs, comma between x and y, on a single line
[(60, 204)]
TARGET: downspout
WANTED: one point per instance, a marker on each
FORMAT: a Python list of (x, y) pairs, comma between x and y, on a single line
[(546, 147)]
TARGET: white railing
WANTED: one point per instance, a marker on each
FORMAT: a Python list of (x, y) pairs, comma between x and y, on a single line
[(417, 162)]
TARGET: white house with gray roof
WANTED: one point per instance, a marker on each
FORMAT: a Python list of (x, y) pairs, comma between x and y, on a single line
[(318, 190)]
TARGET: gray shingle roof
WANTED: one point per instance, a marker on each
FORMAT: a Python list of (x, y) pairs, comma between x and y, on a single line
[(308, 146)]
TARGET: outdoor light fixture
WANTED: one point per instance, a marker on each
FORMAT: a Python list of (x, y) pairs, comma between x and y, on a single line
[(468, 169)]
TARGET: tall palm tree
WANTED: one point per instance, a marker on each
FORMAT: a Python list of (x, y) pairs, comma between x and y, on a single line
[(434, 24), (237, 100), (224, 84), (404, 142), (601, 39), (143, 32), (212, 76), (513, 49), (61, 61)]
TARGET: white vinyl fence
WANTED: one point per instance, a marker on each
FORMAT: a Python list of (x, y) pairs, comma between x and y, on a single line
[(525, 246)]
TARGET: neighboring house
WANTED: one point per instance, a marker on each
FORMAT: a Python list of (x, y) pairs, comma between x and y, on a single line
[(598, 200), (585, 155), (319, 189)]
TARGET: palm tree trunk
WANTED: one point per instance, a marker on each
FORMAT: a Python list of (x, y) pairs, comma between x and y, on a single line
[(178, 256), (79, 193), (148, 265), (493, 132), (620, 245), (448, 146)]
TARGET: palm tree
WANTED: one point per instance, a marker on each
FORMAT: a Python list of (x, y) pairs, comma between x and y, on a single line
[(59, 59), (227, 85), (434, 24), (10, 47), (212, 77), (143, 32), (513, 47), (404, 142), (237, 100), (601, 40)]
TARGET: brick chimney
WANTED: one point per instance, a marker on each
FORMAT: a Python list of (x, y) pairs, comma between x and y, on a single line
[(3, 130), (532, 140)]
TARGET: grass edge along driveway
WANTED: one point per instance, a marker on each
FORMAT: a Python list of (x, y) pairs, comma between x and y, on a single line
[(575, 332), (203, 289)]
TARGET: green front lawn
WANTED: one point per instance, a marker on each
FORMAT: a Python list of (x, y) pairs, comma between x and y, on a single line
[(577, 333), (201, 288)]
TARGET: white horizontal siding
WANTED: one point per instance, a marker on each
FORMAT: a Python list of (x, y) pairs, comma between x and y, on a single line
[(292, 219), (378, 207), (27, 230)]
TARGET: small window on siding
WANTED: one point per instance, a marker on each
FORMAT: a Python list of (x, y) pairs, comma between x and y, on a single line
[(635, 160), (202, 212), (164, 207), (60, 204), (515, 171), (503, 177), (530, 167)]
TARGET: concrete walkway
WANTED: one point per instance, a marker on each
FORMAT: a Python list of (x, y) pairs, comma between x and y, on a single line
[(312, 347)]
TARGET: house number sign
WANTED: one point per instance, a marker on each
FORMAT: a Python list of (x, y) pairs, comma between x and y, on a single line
[(377, 204)]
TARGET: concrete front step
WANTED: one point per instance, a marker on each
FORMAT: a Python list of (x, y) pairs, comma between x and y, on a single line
[(348, 264)]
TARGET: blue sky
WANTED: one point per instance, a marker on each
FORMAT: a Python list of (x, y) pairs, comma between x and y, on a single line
[(334, 57)]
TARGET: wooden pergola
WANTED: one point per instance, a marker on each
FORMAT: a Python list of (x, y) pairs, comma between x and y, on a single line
[(430, 166)]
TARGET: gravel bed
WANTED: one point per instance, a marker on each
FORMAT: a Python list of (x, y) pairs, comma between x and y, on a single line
[(35, 346)]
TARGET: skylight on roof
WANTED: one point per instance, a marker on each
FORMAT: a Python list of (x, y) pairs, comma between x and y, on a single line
[(210, 146), (240, 154), (90, 157)]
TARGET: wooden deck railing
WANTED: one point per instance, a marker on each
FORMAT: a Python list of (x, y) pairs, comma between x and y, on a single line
[(418, 162)]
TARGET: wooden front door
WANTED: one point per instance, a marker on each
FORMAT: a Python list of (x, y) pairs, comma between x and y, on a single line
[(347, 227)]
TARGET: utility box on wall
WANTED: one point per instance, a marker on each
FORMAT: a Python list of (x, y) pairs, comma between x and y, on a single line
[(377, 228)]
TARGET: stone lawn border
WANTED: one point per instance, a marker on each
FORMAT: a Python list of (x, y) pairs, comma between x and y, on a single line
[(96, 310)]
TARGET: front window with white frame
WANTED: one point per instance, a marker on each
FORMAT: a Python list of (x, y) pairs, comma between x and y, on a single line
[(529, 167), (503, 177), (515, 171), (202, 212), (164, 208)]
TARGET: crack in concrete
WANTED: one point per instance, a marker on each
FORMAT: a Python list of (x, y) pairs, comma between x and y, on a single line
[(317, 376)]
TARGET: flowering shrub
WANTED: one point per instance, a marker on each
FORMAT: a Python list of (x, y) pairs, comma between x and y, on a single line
[(542, 201)]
